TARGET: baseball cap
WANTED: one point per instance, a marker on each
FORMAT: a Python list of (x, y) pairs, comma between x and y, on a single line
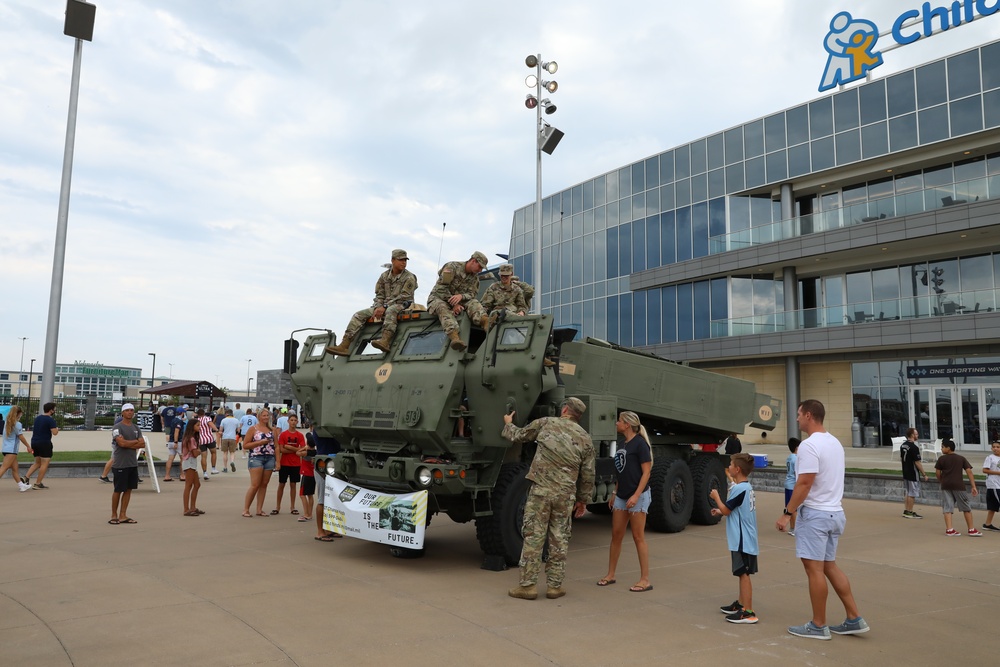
[(481, 258), (181, 410), (284, 410), (506, 269), (399, 254), (127, 406)]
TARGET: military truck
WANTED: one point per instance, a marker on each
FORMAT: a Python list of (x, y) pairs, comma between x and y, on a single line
[(425, 416)]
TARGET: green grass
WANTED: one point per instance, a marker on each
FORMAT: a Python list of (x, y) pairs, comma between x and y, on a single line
[(71, 457)]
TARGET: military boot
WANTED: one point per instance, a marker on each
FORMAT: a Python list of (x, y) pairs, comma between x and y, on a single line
[(343, 348), (456, 342), (554, 592), (384, 342), (524, 592), (484, 322)]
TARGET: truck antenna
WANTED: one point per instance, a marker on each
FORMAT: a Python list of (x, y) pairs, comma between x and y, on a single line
[(441, 247)]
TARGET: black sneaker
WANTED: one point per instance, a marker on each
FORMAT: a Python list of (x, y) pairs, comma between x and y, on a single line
[(990, 526), (911, 515), (732, 608), (24, 480), (742, 616), (105, 480)]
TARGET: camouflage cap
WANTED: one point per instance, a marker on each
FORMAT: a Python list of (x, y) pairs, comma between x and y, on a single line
[(506, 269), (399, 254), (481, 258), (576, 405)]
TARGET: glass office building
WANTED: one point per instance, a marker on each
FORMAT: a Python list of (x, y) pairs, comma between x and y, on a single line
[(845, 249)]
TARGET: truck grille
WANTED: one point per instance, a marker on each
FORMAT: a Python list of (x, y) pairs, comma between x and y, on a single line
[(373, 419)]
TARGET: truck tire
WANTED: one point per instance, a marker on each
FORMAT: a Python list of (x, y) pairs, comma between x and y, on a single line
[(707, 473), (403, 552), (673, 495), (500, 534)]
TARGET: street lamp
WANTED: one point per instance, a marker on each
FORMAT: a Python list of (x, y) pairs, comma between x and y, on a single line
[(546, 139), (152, 376), (20, 368), (79, 25), (171, 370), (248, 378)]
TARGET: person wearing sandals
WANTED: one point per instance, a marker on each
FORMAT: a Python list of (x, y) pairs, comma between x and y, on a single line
[(190, 453), (630, 504), (290, 443), (126, 441), (259, 441), (12, 433)]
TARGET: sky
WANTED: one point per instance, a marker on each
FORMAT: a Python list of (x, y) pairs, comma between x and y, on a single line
[(244, 168)]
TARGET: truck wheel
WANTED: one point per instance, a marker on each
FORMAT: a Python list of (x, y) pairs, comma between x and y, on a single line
[(402, 552), (707, 473), (500, 534), (673, 496)]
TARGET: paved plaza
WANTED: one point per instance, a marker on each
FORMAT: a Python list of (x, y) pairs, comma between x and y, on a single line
[(224, 590)]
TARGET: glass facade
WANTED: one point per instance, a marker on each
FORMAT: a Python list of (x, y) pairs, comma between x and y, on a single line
[(713, 195), (97, 378)]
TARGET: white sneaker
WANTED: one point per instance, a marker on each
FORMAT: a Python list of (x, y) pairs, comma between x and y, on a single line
[(215, 471), (206, 476), (23, 487)]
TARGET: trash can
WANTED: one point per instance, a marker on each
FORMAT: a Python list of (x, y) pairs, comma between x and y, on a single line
[(871, 436)]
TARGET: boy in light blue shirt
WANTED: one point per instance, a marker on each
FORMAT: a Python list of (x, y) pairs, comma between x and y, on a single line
[(793, 447), (740, 510)]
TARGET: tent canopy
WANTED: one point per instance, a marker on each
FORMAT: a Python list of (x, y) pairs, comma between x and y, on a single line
[(187, 389)]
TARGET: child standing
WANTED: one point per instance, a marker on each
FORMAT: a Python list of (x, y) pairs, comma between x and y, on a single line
[(949, 469), (190, 453), (793, 447), (308, 488), (909, 454), (740, 510), (991, 466)]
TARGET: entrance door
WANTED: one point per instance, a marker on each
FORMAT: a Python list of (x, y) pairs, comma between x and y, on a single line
[(956, 412)]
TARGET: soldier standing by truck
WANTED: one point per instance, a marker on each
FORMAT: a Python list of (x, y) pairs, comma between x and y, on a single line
[(393, 293), (456, 289), (562, 470)]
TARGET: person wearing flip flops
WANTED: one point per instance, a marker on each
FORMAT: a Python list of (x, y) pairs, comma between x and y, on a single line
[(190, 454), (290, 443), (818, 498), (259, 441), (630, 503), (740, 510), (126, 441)]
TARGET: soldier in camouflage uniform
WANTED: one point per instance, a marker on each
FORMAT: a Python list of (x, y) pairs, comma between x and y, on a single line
[(393, 294), (527, 289), (504, 296), (455, 291), (562, 470)]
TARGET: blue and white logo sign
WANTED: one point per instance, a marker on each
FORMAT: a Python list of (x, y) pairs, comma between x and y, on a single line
[(850, 45)]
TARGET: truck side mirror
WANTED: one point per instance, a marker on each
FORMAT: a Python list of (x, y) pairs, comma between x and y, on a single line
[(291, 355)]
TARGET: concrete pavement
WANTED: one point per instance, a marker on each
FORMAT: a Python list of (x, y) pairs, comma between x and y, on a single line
[(224, 590)]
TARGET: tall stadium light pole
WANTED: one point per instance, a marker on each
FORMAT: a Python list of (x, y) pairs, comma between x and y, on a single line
[(248, 378), (152, 375), (20, 368), (80, 25), (31, 372), (546, 138)]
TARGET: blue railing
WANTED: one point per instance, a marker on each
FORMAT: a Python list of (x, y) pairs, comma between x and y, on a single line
[(873, 210), (882, 310)]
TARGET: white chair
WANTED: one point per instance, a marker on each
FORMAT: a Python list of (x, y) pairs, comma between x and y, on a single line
[(934, 447), (896, 444)]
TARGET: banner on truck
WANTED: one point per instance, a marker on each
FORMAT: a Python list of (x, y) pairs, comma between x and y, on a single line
[(396, 520)]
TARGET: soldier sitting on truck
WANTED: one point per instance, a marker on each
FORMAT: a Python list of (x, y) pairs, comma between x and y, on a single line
[(526, 289), (504, 296), (393, 293), (455, 291)]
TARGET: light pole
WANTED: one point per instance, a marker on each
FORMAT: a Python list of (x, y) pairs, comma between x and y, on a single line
[(80, 25), (152, 374), (31, 370), (20, 369), (248, 378), (546, 139), (171, 370)]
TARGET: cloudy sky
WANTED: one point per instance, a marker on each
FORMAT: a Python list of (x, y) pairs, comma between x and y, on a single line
[(243, 168)]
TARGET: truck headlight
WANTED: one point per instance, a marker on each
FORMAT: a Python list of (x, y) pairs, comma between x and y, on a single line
[(424, 477)]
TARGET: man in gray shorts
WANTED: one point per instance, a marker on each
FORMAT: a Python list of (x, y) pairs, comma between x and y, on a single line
[(818, 493)]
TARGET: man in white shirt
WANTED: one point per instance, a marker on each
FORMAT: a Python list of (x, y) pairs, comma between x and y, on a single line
[(818, 492)]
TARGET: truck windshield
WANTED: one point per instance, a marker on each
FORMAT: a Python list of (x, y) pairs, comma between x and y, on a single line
[(514, 335), (428, 342)]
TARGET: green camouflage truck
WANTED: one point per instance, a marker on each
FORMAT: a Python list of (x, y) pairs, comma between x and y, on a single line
[(425, 416)]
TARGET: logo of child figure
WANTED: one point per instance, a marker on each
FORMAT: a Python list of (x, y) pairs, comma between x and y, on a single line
[(851, 44)]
